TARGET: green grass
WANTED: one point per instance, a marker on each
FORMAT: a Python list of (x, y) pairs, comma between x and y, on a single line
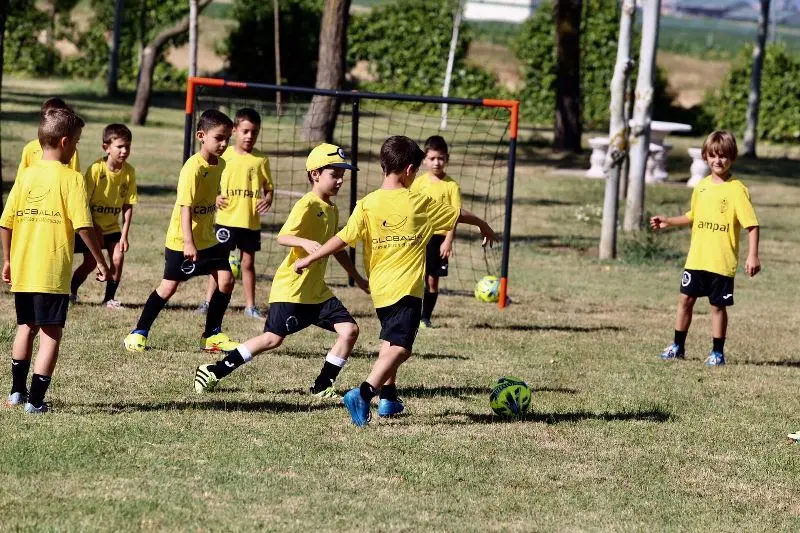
[(616, 440)]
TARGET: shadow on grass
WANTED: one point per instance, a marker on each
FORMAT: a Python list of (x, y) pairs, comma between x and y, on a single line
[(462, 392), (536, 327), (648, 415), (207, 405), (360, 354), (785, 362)]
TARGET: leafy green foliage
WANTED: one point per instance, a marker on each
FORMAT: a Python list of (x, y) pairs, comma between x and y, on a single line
[(23, 53)]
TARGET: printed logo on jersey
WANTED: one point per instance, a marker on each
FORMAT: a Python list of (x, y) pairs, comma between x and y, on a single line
[(123, 189), (394, 223), (36, 195), (223, 235), (723, 205), (686, 279), (33, 210)]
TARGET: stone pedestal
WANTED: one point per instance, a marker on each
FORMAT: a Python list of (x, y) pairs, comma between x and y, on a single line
[(597, 159), (699, 168)]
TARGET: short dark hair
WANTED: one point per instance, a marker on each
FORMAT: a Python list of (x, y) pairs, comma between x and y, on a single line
[(398, 152), (56, 124), (722, 143), (249, 114), (116, 131), (436, 142), (53, 103), (212, 118)]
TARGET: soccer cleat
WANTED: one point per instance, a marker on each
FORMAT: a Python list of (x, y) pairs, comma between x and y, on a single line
[(204, 379), (794, 436), (357, 407), (328, 392), (115, 305), (33, 410), (202, 309), (16, 398), (425, 323), (135, 342), (219, 342), (390, 407), (715, 359), (673, 351), (254, 312)]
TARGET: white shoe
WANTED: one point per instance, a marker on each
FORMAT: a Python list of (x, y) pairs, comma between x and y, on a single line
[(114, 304)]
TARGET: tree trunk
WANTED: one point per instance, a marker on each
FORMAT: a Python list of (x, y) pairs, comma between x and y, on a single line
[(320, 119), (192, 38), (276, 15), (642, 110), (567, 133), (617, 133), (113, 58), (754, 99), (150, 54), (3, 17)]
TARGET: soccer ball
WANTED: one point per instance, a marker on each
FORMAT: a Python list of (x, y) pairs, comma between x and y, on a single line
[(510, 397), (488, 289), (236, 266)]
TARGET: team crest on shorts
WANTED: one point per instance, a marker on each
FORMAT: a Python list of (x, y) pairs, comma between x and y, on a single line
[(686, 279), (723, 205), (188, 266), (223, 235)]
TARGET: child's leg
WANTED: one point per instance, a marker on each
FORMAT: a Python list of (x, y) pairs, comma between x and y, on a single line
[(430, 297), (82, 272), (219, 301), (249, 278), (45, 363), (207, 376), (117, 260), (211, 287), (21, 352), (155, 303), (390, 357), (337, 357), (683, 319), (719, 327)]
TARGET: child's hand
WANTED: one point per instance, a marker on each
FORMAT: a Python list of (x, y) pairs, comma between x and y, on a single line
[(262, 206), (7, 272), (311, 246), (189, 251), (489, 236), (752, 266), (123, 246), (446, 249), (300, 265), (102, 273), (362, 283), (222, 201), (658, 222)]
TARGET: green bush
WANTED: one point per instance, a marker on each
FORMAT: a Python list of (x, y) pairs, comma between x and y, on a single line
[(23, 53), (779, 114)]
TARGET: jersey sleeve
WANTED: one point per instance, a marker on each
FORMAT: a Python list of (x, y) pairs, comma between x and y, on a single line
[(10, 209), (265, 174), (75, 162), (132, 198), (187, 186), (745, 213), (294, 222), (90, 181), (78, 205), (455, 196), (441, 217), (353, 231), (24, 162), (691, 211)]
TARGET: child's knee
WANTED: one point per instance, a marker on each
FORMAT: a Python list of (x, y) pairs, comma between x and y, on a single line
[(54, 332), (248, 260), (349, 332), (687, 301), (28, 331), (167, 288), (225, 281)]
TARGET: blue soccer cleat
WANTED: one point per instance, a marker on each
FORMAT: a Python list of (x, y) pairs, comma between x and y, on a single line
[(16, 398), (715, 359), (357, 407), (390, 407), (673, 351), (33, 410)]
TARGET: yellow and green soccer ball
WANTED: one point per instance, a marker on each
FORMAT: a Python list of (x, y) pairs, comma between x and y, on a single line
[(488, 289), (236, 266), (510, 397)]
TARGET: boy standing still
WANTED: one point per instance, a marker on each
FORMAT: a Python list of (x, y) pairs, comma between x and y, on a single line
[(246, 194), (191, 248), (394, 225), (33, 151), (437, 185), (45, 207), (300, 300), (111, 190), (720, 208)]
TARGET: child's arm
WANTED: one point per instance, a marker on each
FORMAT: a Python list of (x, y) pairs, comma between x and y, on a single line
[(344, 259), (5, 235), (293, 241), (333, 245), (127, 216), (90, 238), (488, 233), (753, 264), (446, 249), (189, 249), (263, 205), (661, 222)]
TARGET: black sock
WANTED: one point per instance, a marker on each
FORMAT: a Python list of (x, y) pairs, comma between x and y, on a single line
[(228, 364), (152, 307), (216, 310), (326, 377), (368, 392), (19, 376), (718, 344), (75, 284), (428, 303), (389, 392), (680, 339), (39, 386), (111, 290)]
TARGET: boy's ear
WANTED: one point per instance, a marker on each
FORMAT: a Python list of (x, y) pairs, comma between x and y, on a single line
[(200, 135), (105, 146)]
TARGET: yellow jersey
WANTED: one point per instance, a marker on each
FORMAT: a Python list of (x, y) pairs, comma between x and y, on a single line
[(310, 218), (395, 225), (32, 152), (198, 186), (444, 190), (718, 212), (45, 207), (243, 183), (107, 192)]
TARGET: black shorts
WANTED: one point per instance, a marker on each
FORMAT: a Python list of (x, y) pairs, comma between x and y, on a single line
[(400, 321), (247, 240), (177, 268), (108, 239), (700, 283), (285, 318), (434, 264), (41, 309)]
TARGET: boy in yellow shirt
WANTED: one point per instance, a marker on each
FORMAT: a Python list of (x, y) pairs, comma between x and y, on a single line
[(32, 152), (111, 190), (300, 300), (394, 225), (246, 194), (191, 248), (436, 184), (45, 207), (720, 208)]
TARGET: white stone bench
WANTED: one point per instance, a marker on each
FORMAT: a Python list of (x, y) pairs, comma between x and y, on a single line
[(656, 161)]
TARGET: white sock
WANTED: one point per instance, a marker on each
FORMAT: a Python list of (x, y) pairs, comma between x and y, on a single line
[(245, 353), (335, 360)]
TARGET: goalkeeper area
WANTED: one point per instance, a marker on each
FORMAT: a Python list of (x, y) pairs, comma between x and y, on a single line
[(481, 135)]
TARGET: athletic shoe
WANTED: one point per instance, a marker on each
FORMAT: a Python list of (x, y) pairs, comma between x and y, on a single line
[(73, 299), (673, 351), (114, 304), (794, 436), (202, 309), (204, 379), (357, 407), (425, 323), (715, 359), (390, 407), (31, 410), (219, 342), (254, 312), (16, 398), (329, 392), (135, 342)]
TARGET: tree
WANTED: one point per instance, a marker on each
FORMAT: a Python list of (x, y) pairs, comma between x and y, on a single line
[(150, 53), (320, 119), (567, 17), (276, 21), (3, 17), (754, 99), (113, 56), (192, 38)]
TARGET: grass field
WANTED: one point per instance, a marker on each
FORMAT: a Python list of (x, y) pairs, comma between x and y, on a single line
[(616, 439)]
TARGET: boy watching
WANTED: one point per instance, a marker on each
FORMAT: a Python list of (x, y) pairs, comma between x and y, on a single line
[(437, 185), (720, 208), (111, 190), (45, 207), (394, 224), (32, 152), (246, 194), (191, 248), (300, 300)]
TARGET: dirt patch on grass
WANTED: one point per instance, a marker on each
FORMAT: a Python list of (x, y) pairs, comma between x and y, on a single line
[(691, 78)]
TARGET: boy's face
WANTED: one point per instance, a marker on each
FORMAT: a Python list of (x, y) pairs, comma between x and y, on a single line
[(435, 161), (328, 181), (69, 145), (215, 140), (246, 135), (720, 165), (118, 150)]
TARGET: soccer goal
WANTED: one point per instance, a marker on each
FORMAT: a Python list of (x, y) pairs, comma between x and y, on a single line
[(481, 134)]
